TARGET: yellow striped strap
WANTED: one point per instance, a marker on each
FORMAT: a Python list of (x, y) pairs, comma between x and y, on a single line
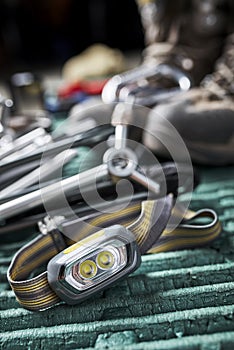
[(192, 232), (148, 226), (34, 293), (146, 220)]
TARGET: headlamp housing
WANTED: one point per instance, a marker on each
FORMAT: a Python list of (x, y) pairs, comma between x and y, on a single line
[(93, 264)]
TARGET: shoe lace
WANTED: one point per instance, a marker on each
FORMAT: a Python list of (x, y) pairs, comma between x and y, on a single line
[(220, 83)]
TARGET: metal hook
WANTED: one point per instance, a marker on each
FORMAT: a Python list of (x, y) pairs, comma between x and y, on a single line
[(121, 86)]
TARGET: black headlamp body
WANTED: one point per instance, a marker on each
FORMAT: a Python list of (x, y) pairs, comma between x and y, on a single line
[(93, 264)]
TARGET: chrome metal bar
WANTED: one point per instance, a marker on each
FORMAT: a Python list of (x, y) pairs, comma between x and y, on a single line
[(140, 178), (71, 184), (121, 133), (39, 174), (22, 142)]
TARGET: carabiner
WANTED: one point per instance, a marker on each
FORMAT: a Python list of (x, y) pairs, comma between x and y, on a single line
[(136, 83)]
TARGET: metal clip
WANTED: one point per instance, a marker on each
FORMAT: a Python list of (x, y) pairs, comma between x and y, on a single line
[(135, 83), (48, 224)]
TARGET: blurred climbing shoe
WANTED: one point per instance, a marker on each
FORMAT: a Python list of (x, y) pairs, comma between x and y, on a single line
[(203, 116), (186, 34)]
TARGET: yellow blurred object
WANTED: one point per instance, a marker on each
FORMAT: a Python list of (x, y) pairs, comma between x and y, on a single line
[(96, 61)]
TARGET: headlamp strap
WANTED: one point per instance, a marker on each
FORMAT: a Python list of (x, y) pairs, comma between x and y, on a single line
[(149, 229), (34, 293), (194, 231)]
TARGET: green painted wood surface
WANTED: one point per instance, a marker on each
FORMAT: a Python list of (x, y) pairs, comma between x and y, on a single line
[(175, 300)]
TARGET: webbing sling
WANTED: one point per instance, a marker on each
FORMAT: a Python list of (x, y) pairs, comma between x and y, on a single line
[(149, 230)]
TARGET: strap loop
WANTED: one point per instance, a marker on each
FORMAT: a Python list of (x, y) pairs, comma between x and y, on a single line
[(190, 234)]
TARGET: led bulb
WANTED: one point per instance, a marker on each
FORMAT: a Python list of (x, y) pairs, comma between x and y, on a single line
[(105, 260), (87, 269)]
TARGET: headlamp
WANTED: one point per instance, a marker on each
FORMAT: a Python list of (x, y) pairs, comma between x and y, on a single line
[(93, 264), (77, 271)]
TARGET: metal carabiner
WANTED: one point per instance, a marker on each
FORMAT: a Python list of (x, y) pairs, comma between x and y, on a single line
[(135, 83)]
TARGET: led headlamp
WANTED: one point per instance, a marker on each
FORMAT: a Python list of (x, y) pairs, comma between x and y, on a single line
[(77, 271), (93, 264)]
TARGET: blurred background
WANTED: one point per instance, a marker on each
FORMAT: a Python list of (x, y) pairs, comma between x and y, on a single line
[(48, 32)]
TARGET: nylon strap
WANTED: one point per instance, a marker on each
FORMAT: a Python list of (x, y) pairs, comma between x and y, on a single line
[(148, 226), (189, 234)]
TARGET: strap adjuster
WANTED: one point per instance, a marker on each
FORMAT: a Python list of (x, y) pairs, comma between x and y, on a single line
[(49, 226)]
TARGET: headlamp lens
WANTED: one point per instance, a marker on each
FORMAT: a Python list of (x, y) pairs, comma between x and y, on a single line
[(105, 259), (88, 269)]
